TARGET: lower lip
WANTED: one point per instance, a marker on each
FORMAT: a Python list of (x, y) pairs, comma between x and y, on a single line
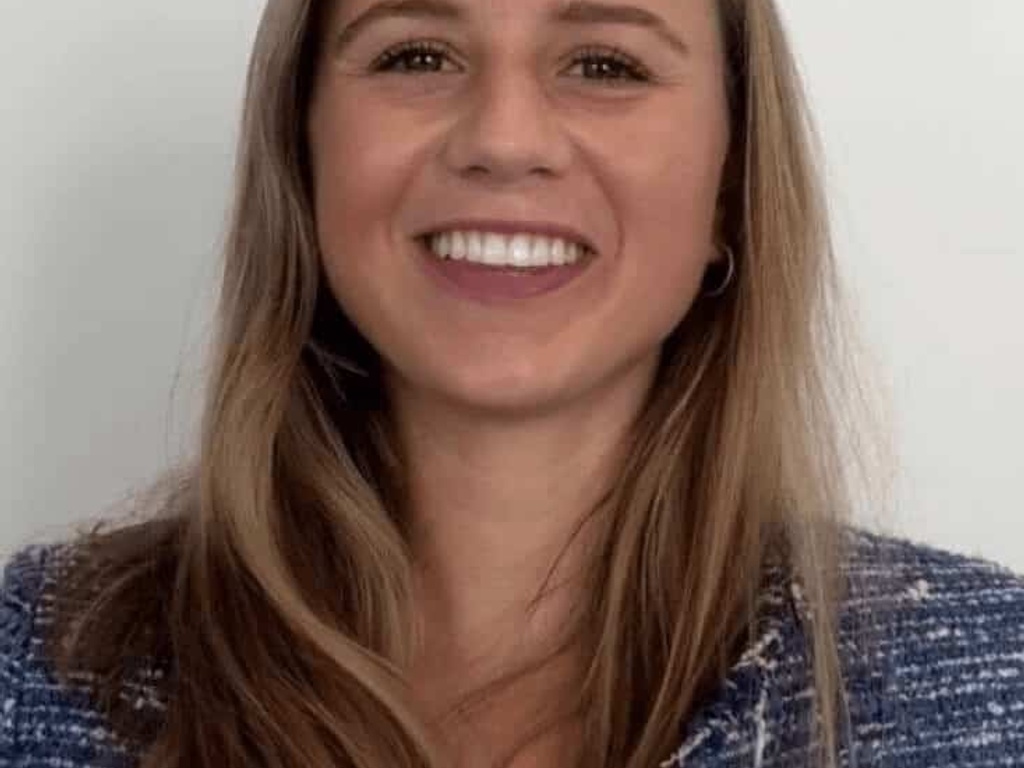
[(489, 284)]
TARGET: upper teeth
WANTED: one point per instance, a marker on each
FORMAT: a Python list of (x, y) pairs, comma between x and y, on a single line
[(520, 250)]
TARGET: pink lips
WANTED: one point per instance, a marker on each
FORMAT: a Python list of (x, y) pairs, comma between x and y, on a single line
[(487, 284)]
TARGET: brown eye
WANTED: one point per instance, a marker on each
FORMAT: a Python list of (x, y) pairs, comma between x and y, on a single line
[(414, 58), (611, 65)]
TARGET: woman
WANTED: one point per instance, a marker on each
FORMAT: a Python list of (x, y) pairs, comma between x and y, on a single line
[(529, 438)]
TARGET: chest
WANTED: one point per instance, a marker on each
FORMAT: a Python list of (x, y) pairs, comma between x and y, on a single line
[(519, 727), (504, 745)]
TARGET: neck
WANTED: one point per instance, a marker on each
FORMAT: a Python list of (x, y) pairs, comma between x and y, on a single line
[(494, 503)]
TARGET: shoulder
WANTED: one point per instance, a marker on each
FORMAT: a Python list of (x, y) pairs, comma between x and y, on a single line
[(866, 551), (41, 719), (929, 592), (22, 589), (933, 645)]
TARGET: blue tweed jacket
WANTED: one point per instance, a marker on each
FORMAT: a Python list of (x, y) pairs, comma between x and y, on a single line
[(932, 645)]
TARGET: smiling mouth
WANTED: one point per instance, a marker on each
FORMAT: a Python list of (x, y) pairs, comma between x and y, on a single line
[(491, 284), (515, 254)]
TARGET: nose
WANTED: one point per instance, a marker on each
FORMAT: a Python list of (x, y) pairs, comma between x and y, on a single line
[(507, 130)]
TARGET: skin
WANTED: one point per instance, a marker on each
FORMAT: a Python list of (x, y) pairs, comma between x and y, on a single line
[(512, 415)]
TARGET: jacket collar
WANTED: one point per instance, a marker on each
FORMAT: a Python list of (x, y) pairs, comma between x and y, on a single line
[(736, 721)]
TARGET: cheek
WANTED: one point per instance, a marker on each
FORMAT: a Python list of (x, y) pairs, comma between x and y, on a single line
[(665, 203), (668, 216), (355, 184), (672, 214), (361, 164)]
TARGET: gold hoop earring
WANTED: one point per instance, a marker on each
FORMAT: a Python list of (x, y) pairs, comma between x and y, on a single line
[(728, 278)]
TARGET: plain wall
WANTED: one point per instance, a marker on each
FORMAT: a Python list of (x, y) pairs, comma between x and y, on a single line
[(116, 143)]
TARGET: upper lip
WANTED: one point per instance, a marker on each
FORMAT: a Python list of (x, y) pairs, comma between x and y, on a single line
[(507, 227)]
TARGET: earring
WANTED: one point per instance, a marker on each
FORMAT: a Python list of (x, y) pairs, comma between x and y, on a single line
[(728, 278)]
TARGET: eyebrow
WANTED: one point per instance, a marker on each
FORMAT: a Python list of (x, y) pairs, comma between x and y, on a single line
[(575, 12), (584, 12)]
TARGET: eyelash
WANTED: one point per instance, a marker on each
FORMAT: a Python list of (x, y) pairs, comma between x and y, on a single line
[(630, 67)]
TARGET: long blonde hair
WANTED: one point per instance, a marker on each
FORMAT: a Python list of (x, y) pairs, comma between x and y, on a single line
[(272, 579)]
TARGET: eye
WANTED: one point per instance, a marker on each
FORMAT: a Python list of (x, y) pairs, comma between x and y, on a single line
[(611, 64), (418, 57), (428, 57)]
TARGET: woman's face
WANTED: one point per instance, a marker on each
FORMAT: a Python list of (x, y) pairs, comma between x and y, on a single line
[(602, 123)]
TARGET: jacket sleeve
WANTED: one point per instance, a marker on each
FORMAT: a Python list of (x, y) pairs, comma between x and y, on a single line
[(20, 580)]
